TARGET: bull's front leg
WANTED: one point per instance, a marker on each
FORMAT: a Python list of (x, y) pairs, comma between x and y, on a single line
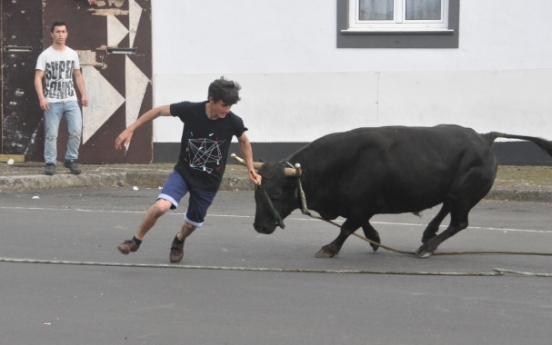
[(332, 249), (371, 234)]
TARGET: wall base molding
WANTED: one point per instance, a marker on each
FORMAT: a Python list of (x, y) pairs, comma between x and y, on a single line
[(507, 153)]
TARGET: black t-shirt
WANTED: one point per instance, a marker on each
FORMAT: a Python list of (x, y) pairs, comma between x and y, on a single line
[(205, 144)]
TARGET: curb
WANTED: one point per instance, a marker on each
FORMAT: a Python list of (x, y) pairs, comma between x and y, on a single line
[(62, 180), (107, 179), (519, 195)]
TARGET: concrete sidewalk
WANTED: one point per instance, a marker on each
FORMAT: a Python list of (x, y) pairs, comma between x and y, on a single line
[(514, 183)]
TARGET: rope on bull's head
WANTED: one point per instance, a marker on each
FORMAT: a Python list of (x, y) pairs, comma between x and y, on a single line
[(278, 220), (304, 208)]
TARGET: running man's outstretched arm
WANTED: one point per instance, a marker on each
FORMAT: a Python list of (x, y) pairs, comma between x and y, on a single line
[(123, 139)]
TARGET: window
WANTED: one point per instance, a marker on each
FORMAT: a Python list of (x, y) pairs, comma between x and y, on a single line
[(398, 23), (398, 15)]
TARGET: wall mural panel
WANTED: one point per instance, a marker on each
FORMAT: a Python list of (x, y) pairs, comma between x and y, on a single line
[(21, 128), (118, 84)]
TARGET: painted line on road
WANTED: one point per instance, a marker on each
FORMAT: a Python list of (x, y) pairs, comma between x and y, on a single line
[(291, 218)]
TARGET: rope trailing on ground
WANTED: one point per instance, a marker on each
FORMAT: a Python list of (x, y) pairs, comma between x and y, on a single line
[(495, 272), (437, 253), (306, 211)]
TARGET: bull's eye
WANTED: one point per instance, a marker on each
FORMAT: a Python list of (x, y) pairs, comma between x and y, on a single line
[(277, 193)]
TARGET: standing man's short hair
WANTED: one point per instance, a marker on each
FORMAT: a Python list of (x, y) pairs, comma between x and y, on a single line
[(57, 23), (225, 90)]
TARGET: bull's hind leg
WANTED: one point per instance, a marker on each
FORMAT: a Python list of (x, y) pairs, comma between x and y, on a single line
[(332, 249), (457, 223), (466, 192), (372, 234), (433, 226), (459, 211)]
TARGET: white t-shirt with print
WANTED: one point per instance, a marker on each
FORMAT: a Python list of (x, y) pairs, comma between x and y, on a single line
[(58, 74)]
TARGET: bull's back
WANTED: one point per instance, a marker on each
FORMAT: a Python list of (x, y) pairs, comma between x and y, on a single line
[(400, 169)]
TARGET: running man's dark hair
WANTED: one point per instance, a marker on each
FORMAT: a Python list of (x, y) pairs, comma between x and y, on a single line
[(225, 90), (57, 23)]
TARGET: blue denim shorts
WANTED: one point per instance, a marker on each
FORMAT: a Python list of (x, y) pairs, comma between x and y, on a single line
[(176, 187)]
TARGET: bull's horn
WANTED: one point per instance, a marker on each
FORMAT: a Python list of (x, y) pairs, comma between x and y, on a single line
[(293, 172), (299, 170), (241, 161), (256, 165)]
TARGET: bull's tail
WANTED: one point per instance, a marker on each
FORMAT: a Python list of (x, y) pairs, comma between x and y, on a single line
[(544, 144)]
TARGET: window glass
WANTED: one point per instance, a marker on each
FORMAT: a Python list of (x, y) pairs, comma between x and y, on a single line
[(423, 9), (376, 9)]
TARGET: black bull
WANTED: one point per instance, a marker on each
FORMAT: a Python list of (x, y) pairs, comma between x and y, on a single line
[(369, 171)]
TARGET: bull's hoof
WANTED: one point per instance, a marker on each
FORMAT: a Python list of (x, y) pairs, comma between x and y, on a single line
[(375, 247), (424, 253), (326, 252)]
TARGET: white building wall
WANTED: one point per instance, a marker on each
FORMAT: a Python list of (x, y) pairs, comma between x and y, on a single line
[(298, 86)]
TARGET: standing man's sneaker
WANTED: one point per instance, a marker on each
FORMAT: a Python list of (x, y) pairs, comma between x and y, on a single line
[(50, 169), (73, 167), (177, 250), (128, 246)]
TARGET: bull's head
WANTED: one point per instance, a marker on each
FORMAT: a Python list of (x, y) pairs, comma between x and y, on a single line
[(277, 197)]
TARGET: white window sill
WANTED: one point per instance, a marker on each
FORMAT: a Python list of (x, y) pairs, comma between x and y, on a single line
[(355, 31)]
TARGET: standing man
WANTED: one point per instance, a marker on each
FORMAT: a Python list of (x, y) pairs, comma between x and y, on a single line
[(208, 130), (57, 65)]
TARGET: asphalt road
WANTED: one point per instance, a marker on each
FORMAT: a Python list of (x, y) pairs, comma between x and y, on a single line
[(220, 294)]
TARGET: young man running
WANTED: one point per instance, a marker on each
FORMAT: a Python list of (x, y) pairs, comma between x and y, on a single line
[(208, 130)]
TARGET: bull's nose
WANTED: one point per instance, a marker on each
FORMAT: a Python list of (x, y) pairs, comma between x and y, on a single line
[(259, 228), (263, 229)]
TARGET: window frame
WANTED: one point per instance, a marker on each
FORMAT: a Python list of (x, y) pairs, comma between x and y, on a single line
[(351, 34)]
